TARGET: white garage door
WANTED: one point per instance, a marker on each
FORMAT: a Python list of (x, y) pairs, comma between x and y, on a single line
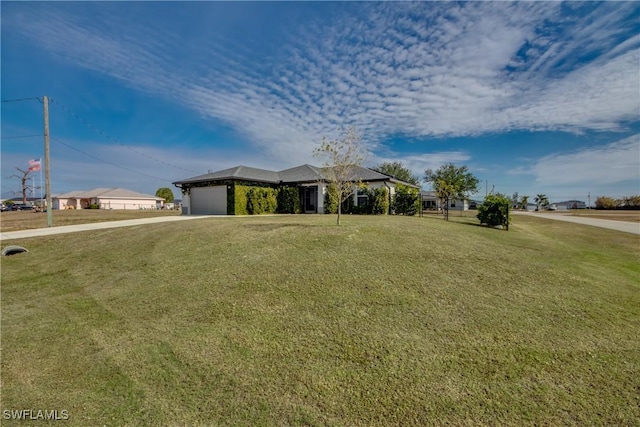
[(209, 200)]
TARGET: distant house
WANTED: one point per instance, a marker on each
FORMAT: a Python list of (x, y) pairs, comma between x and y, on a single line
[(106, 198), (213, 193), (431, 202), (570, 204)]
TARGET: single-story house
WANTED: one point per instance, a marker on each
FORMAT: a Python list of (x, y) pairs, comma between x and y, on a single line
[(431, 202), (213, 193), (106, 198), (570, 204)]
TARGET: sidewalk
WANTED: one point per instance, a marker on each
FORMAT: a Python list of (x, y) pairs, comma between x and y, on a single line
[(624, 226), (49, 231)]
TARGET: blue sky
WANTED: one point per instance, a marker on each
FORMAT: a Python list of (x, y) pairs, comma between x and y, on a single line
[(534, 97)]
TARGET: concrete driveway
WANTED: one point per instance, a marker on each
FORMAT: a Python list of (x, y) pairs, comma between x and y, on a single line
[(49, 231), (624, 226)]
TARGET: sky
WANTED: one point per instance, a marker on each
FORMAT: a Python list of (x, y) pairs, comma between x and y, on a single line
[(533, 97)]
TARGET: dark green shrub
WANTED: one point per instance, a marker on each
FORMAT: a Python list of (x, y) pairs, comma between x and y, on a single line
[(261, 200), (494, 211), (289, 200), (406, 200), (94, 206), (378, 201)]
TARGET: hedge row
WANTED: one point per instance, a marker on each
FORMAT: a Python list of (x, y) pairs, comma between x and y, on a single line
[(255, 200), (377, 203)]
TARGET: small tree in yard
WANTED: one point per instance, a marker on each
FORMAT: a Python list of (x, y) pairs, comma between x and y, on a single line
[(342, 156), (166, 194), (494, 211), (451, 182)]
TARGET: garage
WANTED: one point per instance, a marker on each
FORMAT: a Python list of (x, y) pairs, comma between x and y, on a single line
[(209, 200)]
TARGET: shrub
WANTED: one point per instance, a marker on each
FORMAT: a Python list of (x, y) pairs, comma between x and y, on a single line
[(406, 200), (238, 200), (603, 202), (378, 201), (289, 200), (261, 200), (494, 211), (94, 206)]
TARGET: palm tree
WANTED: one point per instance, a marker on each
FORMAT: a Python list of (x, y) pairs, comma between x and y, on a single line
[(524, 202), (541, 200)]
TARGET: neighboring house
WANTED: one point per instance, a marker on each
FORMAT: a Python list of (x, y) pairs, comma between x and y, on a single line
[(106, 198), (570, 204), (209, 194), (431, 202)]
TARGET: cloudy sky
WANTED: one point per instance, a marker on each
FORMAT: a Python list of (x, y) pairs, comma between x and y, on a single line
[(534, 97)]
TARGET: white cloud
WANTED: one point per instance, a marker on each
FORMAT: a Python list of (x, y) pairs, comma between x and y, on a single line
[(609, 164), (421, 69)]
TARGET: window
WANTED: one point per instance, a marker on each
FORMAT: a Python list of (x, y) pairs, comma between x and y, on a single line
[(453, 203), (363, 197)]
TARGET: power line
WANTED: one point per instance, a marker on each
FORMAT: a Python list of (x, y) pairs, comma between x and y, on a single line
[(21, 99), (110, 138), (106, 161)]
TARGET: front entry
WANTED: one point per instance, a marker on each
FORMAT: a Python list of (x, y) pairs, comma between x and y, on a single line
[(310, 200)]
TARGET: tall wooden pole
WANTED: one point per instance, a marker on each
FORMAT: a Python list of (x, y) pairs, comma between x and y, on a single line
[(47, 162)]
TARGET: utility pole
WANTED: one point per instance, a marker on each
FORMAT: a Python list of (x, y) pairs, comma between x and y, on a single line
[(589, 197), (47, 162)]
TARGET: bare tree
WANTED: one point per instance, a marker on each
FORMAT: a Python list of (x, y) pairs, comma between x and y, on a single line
[(24, 183), (342, 157)]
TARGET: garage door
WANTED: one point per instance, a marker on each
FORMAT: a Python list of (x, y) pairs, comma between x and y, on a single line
[(209, 200)]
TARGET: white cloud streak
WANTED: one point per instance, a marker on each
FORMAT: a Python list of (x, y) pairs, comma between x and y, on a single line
[(609, 164), (418, 69)]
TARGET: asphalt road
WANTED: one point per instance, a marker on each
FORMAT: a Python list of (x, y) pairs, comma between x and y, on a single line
[(624, 226)]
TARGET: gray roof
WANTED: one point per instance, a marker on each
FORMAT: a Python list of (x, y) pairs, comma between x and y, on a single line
[(242, 173), (105, 193), (303, 173)]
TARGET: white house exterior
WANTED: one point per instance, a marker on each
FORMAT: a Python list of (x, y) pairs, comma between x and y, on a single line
[(430, 201), (210, 194), (106, 198)]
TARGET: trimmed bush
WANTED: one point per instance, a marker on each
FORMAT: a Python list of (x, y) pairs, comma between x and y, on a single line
[(378, 201), (289, 200), (494, 211), (406, 200), (238, 202), (261, 200)]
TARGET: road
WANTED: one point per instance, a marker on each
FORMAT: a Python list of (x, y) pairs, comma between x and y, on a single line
[(624, 226)]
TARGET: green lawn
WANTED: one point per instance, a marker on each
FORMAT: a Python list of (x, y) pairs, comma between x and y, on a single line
[(293, 321)]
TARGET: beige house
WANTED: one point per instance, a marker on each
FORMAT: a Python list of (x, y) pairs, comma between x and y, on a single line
[(106, 198)]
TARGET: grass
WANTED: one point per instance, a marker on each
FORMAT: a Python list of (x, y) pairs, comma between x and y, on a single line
[(293, 321), (23, 220)]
